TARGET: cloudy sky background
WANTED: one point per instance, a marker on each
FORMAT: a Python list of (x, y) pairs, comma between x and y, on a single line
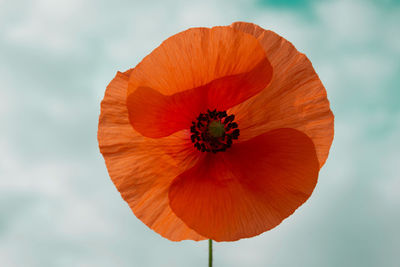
[(58, 206)]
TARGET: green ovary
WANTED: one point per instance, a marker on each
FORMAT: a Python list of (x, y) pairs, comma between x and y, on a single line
[(216, 129)]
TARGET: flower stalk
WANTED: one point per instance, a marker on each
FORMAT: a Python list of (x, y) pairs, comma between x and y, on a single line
[(210, 253)]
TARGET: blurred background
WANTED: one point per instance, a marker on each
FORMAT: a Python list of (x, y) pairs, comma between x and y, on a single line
[(58, 206)]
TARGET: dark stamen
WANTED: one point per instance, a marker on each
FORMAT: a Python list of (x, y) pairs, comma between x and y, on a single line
[(214, 131)]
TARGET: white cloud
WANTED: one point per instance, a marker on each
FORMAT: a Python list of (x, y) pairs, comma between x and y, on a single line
[(52, 25), (349, 21)]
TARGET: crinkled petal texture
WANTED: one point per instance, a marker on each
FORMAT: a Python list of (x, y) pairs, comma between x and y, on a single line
[(295, 98), (248, 190), (286, 130), (191, 72), (143, 168)]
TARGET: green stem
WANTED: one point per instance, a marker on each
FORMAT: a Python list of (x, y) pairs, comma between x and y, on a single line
[(210, 253)]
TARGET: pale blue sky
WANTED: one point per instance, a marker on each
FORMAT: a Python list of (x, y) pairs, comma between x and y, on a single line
[(58, 206)]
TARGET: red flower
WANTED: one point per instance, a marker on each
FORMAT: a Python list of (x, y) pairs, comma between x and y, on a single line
[(218, 133)]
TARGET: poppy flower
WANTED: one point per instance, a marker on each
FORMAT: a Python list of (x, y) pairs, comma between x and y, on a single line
[(219, 133)]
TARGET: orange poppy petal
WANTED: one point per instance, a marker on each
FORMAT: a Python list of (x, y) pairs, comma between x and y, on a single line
[(248, 189), (142, 168), (156, 115), (191, 72), (295, 98)]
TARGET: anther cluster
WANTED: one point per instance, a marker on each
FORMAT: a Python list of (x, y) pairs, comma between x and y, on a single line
[(204, 139)]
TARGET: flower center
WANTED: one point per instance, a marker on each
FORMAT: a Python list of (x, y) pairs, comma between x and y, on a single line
[(214, 131)]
